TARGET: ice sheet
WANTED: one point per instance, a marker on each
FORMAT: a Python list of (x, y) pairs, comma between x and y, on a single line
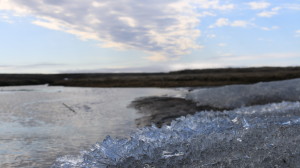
[(234, 96)]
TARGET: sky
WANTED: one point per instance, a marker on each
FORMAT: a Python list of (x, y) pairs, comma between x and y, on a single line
[(70, 36)]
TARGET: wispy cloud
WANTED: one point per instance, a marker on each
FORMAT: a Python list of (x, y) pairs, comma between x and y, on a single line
[(272, 12), (291, 6), (137, 69), (212, 4), (239, 23), (233, 60), (5, 18), (258, 5), (222, 44), (221, 22), (31, 68), (270, 28), (164, 29), (211, 36), (297, 33), (204, 65), (32, 65), (226, 22), (262, 56)]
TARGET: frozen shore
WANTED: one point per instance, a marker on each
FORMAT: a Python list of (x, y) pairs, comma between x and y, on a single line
[(162, 110), (243, 126)]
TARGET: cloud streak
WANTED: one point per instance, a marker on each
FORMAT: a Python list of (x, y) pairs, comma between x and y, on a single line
[(226, 22), (163, 29), (258, 5), (272, 12), (297, 33)]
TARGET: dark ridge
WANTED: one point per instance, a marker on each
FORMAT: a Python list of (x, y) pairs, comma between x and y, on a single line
[(184, 78)]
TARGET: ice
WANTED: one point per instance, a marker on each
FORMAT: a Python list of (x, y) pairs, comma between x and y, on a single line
[(245, 123), (256, 136), (234, 96), (258, 127), (167, 154)]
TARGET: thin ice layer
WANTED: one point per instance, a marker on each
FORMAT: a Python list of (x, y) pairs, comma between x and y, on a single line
[(235, 96), (257, 136)]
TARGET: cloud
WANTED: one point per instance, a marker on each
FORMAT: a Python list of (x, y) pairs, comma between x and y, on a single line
[(5, 18), (233, 60), (32, 68), (226, 22), (221, 22), (157, 57), (239, 23), (38, 65), (168, 28), (267, 14), (274, 11), (270, 28), (297, 33), (205, 13), (205, 65), (226, 55), (291, 6), (212, 4), (258, 5), (262, 56), (222, 44), (211, 36), (154, 68)]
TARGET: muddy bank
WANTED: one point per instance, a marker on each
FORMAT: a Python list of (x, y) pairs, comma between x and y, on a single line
[(162, 110)]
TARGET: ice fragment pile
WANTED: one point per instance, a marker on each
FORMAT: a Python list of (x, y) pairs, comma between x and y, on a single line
[(256, 136)]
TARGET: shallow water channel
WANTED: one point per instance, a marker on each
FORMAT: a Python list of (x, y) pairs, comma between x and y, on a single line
[(40, 123)]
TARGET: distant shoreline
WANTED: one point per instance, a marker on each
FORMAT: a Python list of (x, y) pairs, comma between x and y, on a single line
[(184, 78)]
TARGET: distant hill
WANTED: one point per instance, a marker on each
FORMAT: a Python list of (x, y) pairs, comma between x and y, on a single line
[(183, 78)]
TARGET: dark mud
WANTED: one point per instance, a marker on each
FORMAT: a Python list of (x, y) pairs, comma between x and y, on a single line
[(162, 110)]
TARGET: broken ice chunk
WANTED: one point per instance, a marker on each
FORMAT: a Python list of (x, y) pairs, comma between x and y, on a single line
[(246, 125), (167, 154)]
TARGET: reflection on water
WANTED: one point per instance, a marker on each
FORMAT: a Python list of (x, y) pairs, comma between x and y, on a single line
[(40, 123)]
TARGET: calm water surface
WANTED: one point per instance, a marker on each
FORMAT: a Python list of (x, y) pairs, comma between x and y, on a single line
[(40, 123)]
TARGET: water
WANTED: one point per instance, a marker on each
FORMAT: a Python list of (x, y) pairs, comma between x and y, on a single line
[(40, 123)]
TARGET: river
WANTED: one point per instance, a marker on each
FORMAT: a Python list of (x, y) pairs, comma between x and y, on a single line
[(40, 123)]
